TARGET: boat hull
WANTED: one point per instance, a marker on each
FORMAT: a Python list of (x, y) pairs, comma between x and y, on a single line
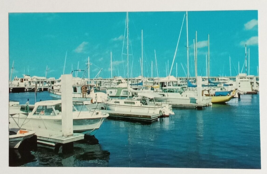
[(221, 99), (45, 126)]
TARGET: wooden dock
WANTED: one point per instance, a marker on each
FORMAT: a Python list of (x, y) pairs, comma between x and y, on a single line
[(52, 141)]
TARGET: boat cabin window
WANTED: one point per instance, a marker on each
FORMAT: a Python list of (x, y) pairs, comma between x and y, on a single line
[(174, 83), (21, 80), (129, 103), (74, 89), (172, 90), (116, 102), (44, 111)]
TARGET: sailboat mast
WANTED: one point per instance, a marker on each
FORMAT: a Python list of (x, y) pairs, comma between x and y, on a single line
[(196, 56), (238, 67), (111, 65), (127, 31), (65, 63), (230, 66), (246, 59), (151, 68), (208, 55), (207, 65), (142, 52), (187, 47), (156, 63), (11, 71), (88, 69)]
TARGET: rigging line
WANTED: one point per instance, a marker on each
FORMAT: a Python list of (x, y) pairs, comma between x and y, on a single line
[(15, 122), (177, 45), (42, 121)]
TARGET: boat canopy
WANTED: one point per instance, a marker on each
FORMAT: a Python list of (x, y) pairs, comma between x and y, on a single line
[(189, 84)]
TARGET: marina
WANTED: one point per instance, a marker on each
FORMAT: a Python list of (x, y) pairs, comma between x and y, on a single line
[(117, 110), (221, 136)]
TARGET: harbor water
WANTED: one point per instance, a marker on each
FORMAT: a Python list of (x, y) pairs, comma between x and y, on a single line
[(221, 136)]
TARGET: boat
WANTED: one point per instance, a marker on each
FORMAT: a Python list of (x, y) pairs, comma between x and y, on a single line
[(17, 136), (221, 98), (46, 119), (82, 91)]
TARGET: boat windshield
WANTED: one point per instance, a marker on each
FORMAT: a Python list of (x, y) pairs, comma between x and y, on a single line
[(45, 111), (173, 90)]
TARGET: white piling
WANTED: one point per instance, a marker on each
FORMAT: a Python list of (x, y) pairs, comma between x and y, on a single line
[(66, 97)]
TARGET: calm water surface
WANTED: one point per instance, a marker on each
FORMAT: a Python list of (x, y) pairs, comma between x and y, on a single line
[(221, 136)]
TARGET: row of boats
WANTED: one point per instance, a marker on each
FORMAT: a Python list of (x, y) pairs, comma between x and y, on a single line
[(138, 102)]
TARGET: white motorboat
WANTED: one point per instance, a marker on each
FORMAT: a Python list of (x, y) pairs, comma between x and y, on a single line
[(81, 91), (46, 119), (17, 136), (137, 106)]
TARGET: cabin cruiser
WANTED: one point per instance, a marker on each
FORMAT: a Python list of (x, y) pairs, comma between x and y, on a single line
[(46, 119), (81, 91), (135, 105)]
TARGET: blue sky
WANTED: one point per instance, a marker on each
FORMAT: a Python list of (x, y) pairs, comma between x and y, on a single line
[(37, 40)]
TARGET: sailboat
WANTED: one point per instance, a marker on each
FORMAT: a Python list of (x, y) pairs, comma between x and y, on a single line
[(131, 105)]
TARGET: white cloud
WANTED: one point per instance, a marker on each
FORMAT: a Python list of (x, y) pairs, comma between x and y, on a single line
[(81, 47), (201, 44), (251, 24), (251, 41), (114, 63), (121, 37)]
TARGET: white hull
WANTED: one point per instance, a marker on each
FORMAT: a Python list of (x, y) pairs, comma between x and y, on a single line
[(52, 125), (180, 101), (17, 139)]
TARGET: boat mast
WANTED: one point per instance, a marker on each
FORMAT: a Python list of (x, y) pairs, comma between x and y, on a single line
[(207, 65), (46, 71), (77, 69), (156, 63), (187, 47), (111, 65), (88, 69), (208, 56), (65, 62), (11, 71), (246, 59), (230, 65), (196, 56), (142, 52), (151, 68), (238, 67), (127, 31)]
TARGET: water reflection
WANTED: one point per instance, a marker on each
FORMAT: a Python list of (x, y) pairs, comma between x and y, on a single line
[(19, 157), (83, 154), (200, 125)]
